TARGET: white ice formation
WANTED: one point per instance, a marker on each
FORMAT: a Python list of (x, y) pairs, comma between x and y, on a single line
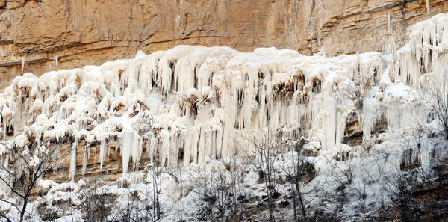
[(195, 104)]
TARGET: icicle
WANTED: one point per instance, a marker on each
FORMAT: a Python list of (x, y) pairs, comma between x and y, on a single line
[(72, 170), (85, 159), (427, 6), (4, 128), (388, 23), (126, 149), (88, 152), (174, 151), (153, 149), (205, 100), (202, 146), (187, 148), (140, 53), (137, 151), (56, 61), (23, 64), (166, 147), (102, 153)]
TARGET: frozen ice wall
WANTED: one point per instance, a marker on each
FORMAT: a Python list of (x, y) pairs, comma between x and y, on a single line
[(194, 104)]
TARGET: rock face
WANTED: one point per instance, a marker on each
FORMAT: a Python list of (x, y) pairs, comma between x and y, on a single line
[(43, 35), (194, 104)]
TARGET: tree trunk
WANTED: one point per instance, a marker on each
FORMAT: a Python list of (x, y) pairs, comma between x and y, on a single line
[(302, 206), (298, 172), (294, 205), (22, 212)]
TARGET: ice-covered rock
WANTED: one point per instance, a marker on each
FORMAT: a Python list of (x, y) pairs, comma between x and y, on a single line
[(196, 104)]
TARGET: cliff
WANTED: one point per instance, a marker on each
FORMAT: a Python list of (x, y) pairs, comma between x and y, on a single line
[(43, 35), (367, 131)]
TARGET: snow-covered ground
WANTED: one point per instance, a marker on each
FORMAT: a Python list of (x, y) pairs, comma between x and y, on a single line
[(183, 192), (203, 104)]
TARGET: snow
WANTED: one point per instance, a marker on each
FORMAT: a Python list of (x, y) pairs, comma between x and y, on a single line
[(140, 53), (181, 190), (20, 140), (46, 184), (201, 100)]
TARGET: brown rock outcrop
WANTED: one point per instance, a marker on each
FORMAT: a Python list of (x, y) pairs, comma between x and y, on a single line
[(54, 34)]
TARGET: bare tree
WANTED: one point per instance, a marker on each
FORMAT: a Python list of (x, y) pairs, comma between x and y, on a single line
[(266, 146), (301, 171), (235, 189), (404, 181), (155, 171), (22, 168), (3, 213), (206, 187), (399, 185), (221, 193), (131, 212), (96, 205), (438, 109), (343, 175), (295, 173)]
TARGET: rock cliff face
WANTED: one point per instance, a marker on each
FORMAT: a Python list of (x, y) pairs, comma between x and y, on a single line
[(192, 104), (43, 35), (373, 135)]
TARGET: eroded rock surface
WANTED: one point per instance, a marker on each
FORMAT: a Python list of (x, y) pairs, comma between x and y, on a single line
[(46, 35)]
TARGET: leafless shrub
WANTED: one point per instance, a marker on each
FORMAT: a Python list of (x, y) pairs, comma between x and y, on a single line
[(296, 173), (96, 206), (265, 149), (221, 193), (410, 178), (23, 166)]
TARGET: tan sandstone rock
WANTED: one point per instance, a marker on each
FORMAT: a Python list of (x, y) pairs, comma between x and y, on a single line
[(54, 34)]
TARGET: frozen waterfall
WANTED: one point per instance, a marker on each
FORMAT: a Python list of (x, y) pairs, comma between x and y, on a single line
[(194, 104)]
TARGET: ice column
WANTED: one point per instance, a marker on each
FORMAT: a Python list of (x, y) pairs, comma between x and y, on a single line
[(388, 23), (56, 61), (23, 64), (130, 142), (73, 160), (102, 153), (85, 160)]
